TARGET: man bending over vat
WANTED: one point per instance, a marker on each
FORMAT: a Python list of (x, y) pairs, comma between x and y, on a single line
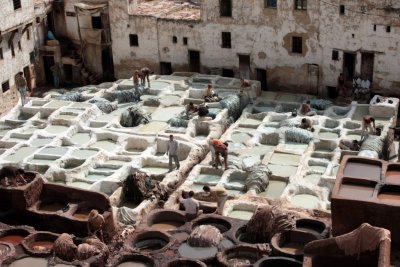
[(14, 176), (368, 126), (352, 145), (306, 124), (218, 193), (219, 147)]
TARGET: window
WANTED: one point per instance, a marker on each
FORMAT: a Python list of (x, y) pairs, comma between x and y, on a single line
[(374, 27), (228, 73), (70, 14), (19, 46), (133, 40), (300, 4), (335, 55), (297, 45), (185, 40), (28, 34), (12, 50), (342, 9), (225, 8), (388, 29), (174, 39), (5, 86), (32, 57), (17, 4), (226, 40), (96, 22), (1, 53), (37, 20), (270, 3)]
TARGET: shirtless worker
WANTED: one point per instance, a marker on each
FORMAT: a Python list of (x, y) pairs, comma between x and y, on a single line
[(368, 126), (352, 145), (219, 193), (13, 175), (191, 109), (145, 73), (220, 147), (306, 124)]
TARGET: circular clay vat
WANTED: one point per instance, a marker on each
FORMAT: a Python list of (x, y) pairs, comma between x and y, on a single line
[(30, 262), (13, 236), (39, 243), (241, 235), (197, 253), (7, 250), (278, 262), (166, 220), (312, 226), (241, 255), (135, 260), (186, 263), (151, 241), (222, 225), (291, 244)]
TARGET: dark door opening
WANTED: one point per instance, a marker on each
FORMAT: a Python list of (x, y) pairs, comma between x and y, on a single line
[(165, 68), (194, 61), (107, 64), (50, 22), (262, 77), (28, 78), (367, 66), (228, 73), (96, 22), (244, 66), (48, 62), (68, 73), (349, 64)]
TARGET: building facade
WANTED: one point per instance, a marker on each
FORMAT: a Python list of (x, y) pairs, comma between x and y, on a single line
[(291, 45)]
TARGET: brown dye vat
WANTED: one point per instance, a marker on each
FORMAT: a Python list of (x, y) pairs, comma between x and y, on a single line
[(81, 215), (38, 245), (12, 239), (293, 248), (392, 177), (362, 170), (166, 226), (390, 194), (312, 226), (51, 207), (356, 191)]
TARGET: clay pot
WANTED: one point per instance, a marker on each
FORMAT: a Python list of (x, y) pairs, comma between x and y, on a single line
[(291, 244), (39, 243)]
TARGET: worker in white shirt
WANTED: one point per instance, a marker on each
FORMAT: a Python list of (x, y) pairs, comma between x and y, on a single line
[(172, 151), (191, 206), (364, 88)]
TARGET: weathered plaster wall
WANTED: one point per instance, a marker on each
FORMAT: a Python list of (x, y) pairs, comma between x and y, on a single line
[(11, 17)]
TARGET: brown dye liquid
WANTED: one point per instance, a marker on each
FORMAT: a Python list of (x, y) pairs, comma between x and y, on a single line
[(12, 239), (391, 197), (51, 207), (46, 244), (308, 230), (362, 170), (293, 248), (81, 215), (166, 226), (393, 177), (356, 191)]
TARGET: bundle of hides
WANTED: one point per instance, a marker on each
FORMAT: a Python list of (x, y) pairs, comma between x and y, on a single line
[(178, 122), (298, 135), (320, 104), (85, 251), (268, 221), (89, 89), (95, 221), (94, 241), (289, 122), (103, 104), (232, 103), (372, 143), (153, 101), (258, 178), (64, 247), (205, 236), (140, 186), (71, 96), (124, 96), (134, 116)]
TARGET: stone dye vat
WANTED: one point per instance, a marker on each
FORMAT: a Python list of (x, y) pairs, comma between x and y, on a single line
[(291, 243), (241, 255), (165, 220), (369, 195)]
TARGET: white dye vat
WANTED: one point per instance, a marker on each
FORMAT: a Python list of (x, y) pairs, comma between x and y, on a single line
[(293, 146), (313, 178), (255, 151), (116, 162), (39, 142), (320, 169), (305, 201), (153, 127), (57, 151), (108, 145), (20, 154), (196, 187), (282, 171), (155, 170), (84, 153), (360, 112), (80, 138), (41, 161), (158, 85), (238, 137), (96, 176), (274, 189), (56, 129), (106, 169), (250, 123), (169, 100), (80, 185), (285, 159), (328, 135), (56, 104), (66, 117), (206, 178), (165, 114), (241, 214)]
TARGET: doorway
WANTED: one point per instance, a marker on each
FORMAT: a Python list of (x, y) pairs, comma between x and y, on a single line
[(262, 77), (96, 22), (194, 61), (28, 78), (228, 73), (48, 62), (107, 64), (68, 73), (349, 64), (165, 68), (367, 66), (244, 66)]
